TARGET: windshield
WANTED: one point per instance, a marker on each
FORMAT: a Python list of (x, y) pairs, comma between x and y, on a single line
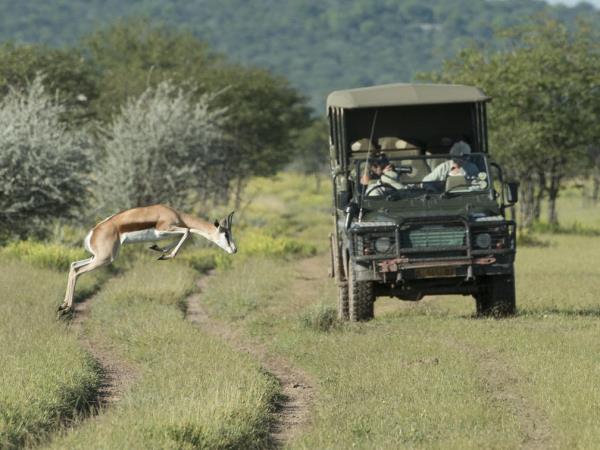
[(404, 177)]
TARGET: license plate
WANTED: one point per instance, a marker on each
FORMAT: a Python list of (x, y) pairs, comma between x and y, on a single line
[(435, 272)]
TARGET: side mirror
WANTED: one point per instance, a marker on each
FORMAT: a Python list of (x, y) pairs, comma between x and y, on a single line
[(352, 211), (512, 192)]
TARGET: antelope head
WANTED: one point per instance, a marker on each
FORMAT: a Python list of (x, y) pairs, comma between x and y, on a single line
[(224, 237)]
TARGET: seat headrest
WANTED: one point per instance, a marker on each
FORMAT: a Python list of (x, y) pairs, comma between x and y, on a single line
[(387, 143), (409, 152), (362, 145)]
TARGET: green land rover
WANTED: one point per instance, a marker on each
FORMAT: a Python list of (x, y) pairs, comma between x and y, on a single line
[(419, 207)]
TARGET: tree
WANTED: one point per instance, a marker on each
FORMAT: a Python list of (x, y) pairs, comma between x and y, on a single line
[(66, 74), (264, 115), (132, 55), (313, 150), (545, 109), (43, 164), (164, 147)]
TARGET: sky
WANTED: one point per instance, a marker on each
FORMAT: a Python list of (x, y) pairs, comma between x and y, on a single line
[(574, 2)]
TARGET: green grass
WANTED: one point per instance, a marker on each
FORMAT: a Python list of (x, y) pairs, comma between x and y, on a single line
[(428, 374), (190, 389), (45, 376), (421, 375), (44, 255)]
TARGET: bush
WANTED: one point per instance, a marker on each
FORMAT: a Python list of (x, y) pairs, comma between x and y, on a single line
[(202, 260), (43, 164), (163, 145), (530, 240), (322, 318), (45, 256), (257, 243)]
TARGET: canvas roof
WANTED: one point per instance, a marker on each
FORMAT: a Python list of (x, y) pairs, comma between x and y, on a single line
[(405, 94)]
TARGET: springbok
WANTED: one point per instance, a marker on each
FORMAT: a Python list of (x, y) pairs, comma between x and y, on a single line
[(145, 224)]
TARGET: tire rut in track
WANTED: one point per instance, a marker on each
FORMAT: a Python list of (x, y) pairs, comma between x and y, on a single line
[(502, 386), (116, 375), (297, 389)]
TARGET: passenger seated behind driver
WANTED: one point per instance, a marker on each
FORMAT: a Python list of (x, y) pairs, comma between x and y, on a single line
[(384, 175), (457, 166)]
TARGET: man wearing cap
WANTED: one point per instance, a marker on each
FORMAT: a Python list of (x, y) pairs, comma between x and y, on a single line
[(456, 166), (381, 167)]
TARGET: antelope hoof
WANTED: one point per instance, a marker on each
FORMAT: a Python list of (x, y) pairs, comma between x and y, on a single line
[(64, 312), (156, 248), (164, 257)]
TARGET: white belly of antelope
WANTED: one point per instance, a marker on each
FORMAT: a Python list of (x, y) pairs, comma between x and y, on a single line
[(149, 235)]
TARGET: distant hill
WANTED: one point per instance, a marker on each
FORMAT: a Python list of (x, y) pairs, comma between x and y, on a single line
[(320, 45)]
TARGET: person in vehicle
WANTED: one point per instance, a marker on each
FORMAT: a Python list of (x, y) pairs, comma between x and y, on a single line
[(381, 173), (459, 165)]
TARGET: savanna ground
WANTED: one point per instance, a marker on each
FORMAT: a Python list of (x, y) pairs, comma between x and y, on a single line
[(425, 374)]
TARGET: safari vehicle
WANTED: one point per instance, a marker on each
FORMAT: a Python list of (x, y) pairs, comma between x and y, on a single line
[(420, 236)]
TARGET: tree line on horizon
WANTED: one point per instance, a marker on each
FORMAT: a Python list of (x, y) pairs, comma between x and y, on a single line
[(318, 45)]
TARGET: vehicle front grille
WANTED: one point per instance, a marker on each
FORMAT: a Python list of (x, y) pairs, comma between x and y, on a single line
[(419, 236)]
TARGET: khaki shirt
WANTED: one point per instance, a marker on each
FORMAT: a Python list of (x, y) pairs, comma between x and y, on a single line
[(441, 172)]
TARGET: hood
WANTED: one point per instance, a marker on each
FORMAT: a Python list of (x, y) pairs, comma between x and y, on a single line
[(433, 206)]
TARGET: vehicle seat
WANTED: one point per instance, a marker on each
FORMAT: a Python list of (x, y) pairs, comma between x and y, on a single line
[(456, 180), (387, 143), (362, 145), (419, 166)]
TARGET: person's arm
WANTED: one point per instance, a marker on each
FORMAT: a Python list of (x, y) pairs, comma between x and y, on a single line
[(439, 173), (391, 177)]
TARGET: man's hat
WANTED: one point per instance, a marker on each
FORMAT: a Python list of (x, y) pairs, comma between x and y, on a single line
[(460, 149)]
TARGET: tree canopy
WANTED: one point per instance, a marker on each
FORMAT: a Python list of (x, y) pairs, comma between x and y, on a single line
[(319, 46), (545, 113)]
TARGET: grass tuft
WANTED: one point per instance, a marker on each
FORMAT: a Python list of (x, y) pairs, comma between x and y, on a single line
[(322, 318)]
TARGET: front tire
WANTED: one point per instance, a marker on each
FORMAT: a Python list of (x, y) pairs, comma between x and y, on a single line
[(497, 297), (361, 298), (343, 301)]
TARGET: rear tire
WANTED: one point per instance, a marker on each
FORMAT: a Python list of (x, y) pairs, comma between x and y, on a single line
[(361, 298), (497, 297)]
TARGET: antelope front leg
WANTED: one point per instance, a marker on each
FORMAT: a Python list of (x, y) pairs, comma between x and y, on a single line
[(185, 234), (164, 249)]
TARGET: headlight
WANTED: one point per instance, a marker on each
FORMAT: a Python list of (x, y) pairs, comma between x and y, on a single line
[(483, 240), (383, 244)]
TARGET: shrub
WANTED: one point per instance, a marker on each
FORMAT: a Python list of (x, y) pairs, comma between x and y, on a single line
[(257, 243), (45, 256), (202, 260), (43, 164), (162, 145), (322, 318)]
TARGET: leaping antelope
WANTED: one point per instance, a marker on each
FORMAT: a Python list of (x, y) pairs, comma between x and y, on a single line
[(145, 224)]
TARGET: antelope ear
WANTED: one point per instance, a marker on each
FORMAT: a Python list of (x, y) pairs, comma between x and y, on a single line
[(217, 223)]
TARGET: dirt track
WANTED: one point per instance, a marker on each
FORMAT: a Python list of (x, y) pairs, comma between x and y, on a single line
[(117, 375), (292, 409)]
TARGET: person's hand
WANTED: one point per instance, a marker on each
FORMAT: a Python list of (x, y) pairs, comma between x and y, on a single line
[(365, 179)]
